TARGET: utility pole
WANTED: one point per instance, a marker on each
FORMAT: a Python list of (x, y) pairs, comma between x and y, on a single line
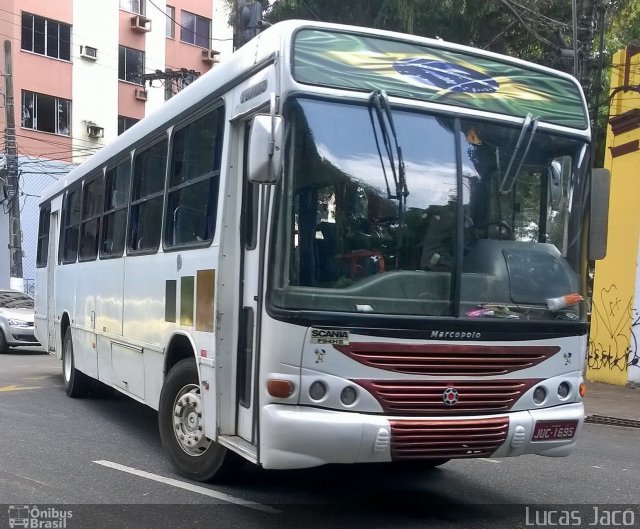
[(170, 77), (585, 38), (12, 194), (247, 21)]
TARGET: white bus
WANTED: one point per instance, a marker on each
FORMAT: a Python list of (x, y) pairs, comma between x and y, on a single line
[(342, 245)]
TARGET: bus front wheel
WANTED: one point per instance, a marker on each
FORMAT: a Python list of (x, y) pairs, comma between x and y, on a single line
[(180, 420), (76, 383)]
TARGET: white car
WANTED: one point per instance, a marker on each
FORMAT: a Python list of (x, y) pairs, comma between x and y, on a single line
[(16, 320)]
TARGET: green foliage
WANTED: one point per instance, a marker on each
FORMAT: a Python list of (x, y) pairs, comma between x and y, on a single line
[(533, 30)]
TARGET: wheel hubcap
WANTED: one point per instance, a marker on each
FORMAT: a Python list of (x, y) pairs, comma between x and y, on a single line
[(187, 421)]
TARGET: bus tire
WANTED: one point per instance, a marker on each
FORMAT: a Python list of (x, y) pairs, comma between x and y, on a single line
[(193, 455), (76, 383)]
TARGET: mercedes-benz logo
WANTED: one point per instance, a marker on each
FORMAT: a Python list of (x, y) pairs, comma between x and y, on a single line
[(450, 396)]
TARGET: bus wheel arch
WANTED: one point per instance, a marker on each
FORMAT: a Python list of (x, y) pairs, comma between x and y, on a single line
[(180, 348), (64, 325)]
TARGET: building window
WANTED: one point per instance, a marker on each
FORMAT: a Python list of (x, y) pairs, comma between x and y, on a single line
[(171, 17), (130, 65), (46, 37), (125, 123), (135, 6), (46, 113), (195, 29)]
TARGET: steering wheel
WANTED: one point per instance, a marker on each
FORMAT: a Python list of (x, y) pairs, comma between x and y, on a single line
[(505, 231)]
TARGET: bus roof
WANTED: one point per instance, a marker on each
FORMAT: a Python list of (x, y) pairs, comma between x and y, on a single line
[(357, 58)]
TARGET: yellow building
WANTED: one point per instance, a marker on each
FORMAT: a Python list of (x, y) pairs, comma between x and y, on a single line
[(613, 355)]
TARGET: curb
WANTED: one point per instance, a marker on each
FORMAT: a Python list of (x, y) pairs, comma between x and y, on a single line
[(612, 421)]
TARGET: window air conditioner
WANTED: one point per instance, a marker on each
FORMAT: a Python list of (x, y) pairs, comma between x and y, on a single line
[(94, 131), (210, 56), (140, 23), (141, 94), (88, 52)]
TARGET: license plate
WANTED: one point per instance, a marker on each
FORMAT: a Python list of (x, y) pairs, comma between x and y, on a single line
[(554, 430)]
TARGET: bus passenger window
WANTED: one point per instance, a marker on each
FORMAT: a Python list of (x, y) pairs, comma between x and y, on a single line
[(71, 217), (194, 173), (91, 212), (147, 197), (114, 221), (42, 254)]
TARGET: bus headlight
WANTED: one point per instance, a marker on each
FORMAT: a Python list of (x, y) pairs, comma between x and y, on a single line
[(317, 390), (563, 390), (539, 395), (348, 395)]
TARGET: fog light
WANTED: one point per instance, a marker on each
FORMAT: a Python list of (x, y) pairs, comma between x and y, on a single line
[(539, 395), (317, 390), (563, 390), (348, 395), (281, 389)]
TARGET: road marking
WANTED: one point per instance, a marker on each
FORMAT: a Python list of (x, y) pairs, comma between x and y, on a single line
[(17, 388), (490, 460), (189, 486), (596, 466)]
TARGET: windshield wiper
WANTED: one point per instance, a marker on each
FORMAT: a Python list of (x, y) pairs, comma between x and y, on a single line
[(508, 181), (380, 103)]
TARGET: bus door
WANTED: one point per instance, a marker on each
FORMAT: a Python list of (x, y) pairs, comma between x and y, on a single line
[(52, 263), (248, 341)]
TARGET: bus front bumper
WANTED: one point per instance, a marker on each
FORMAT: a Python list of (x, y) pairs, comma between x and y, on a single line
[(301, 437)]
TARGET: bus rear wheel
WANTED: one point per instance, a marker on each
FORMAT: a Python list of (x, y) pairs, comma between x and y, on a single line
[(76, 383), (181, 426)]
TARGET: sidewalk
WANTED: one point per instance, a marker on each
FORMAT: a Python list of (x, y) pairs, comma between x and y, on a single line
[(607, 401)]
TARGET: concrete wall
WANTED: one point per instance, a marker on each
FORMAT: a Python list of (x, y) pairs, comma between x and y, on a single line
[(95, 83), (615, 331)]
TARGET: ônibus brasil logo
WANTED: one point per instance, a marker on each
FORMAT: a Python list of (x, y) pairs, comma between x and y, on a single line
[(34, 517)]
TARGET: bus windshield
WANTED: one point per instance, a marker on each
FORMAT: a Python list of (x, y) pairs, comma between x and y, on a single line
[(485, 225)]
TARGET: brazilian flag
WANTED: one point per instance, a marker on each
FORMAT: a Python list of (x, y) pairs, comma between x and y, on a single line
[(437, 74)]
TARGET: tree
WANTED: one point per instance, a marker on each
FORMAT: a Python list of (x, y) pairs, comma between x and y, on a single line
[(535, 30)]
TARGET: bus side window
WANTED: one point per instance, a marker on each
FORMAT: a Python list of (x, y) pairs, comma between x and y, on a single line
[(147, 195), (192, 192), (42, 254), (114, 221), (70, 233), (91, 213)]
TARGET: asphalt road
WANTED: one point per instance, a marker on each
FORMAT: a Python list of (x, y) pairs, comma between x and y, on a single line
[(101, 457)]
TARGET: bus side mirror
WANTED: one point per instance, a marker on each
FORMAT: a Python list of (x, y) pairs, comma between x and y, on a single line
[(265, 149), (600, 185)]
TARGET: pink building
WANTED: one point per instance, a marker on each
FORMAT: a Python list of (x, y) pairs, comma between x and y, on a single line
[(85, 71), (79, 67)]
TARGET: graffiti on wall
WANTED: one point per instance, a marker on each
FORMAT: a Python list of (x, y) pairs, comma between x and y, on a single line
[(610, 338)]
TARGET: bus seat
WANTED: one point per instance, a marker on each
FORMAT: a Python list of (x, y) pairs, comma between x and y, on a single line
[(325, 251)]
